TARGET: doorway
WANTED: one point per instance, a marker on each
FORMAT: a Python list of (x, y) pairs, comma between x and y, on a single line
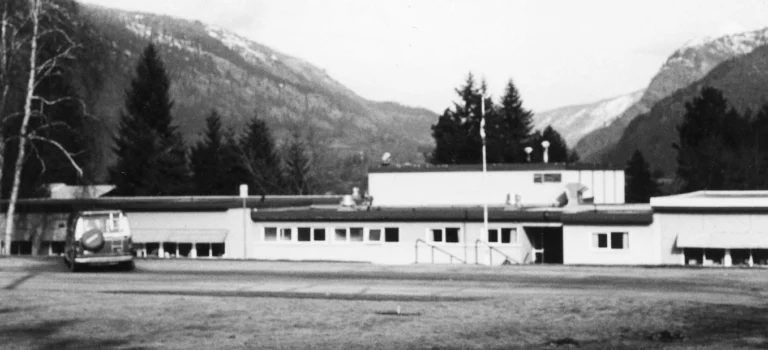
[(546, 244)]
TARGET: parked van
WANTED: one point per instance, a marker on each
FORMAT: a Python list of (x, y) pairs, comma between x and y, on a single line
[(98, 238)]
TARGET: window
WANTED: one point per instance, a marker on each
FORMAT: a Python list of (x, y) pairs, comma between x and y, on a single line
[(356, 234), (305, 234), (392, 234), (551, 177), (614, 240), (619, 240), (272, 234), (341, 234), (374, 235), (352, 234), (508, 235), (493, 235), (447, 235), (319, 234)]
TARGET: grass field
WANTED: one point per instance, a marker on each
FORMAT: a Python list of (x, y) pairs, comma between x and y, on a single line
[(510, 307)]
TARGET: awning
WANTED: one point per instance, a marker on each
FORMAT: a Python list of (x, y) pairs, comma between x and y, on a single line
[(723, 240), (179, 235)]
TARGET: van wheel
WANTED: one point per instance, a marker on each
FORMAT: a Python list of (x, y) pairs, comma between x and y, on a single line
[(73, 266), (127, 266)]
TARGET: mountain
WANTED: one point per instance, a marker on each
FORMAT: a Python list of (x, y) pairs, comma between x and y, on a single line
[(743, 81), (212, 68), (573, 122), (685, 66)]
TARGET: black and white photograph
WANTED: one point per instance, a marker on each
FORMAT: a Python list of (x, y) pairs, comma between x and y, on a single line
[(383, 174)]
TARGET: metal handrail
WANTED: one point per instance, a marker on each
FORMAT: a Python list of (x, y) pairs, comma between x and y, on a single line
[(416, 246), (491, 249)]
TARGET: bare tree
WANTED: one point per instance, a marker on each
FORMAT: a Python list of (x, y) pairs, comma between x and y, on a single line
[(35, 105)]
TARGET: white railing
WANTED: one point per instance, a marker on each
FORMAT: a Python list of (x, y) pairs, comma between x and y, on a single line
[(433, 248), (491, 249)]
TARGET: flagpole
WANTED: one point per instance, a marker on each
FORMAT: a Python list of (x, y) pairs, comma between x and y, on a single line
[(485, 169)]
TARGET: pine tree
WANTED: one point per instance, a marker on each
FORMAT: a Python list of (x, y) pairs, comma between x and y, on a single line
[(516, 125), (206, 158), (640, 184), (298, 166), (557, 151), (151, 157), (457, 132), (257, 149), (703, 159)]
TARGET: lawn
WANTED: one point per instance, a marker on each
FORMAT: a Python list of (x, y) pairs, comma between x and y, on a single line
[(584, 315)]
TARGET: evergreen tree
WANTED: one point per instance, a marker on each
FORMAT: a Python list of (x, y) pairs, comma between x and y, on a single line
[(298, 166), (212, 167), (457, 132), (151, 157), (640, 184), (260, 160), (516, 125), (710, 137), (557, 150)]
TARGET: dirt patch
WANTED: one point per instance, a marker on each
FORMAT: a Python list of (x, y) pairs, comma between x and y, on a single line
[(300, 295)]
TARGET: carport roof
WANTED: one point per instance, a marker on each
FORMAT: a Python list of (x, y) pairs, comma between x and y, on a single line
[(722, 240), (179, 235), (713, 201), (169, 203)]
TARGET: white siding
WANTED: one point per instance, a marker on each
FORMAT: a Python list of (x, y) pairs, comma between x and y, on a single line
[(578, 247)]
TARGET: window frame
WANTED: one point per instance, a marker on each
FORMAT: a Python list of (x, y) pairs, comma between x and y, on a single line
[(279, 234), (595, 242), (547, 178), (347, 234), (443, 235), (499, 235)]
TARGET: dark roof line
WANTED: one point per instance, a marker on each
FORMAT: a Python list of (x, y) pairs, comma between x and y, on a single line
[(170, 203), (491, 167)]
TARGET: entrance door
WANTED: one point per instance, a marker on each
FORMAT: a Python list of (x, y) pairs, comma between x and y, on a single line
[(546, 244)]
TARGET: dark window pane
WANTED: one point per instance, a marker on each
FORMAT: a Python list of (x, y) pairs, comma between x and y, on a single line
[(392, 234), (356, 234), (270, 233), (452, 235), (305, 234), (602, 240), (217, 249), (493, 236), (341, 234), (319, 234), (552, 177), (374, 235), (286, 234), (537, 178), (506, 235), (617, 240), (437, 235)]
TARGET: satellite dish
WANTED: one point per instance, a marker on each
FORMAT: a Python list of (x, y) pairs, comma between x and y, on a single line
[(386, 158)]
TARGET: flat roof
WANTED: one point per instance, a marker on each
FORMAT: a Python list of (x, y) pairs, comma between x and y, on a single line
[(491, 167), (168, 203), (586, 216), (713, 201)]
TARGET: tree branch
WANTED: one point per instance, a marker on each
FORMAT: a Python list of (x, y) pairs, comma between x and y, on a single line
[(62, 149)]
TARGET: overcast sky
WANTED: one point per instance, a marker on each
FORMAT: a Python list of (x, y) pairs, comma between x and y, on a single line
[(416, 52)]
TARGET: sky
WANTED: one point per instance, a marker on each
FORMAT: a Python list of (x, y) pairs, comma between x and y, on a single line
[(557, 53)]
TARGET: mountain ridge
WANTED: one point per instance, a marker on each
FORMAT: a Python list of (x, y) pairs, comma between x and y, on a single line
[(213, 68), (686, 65)]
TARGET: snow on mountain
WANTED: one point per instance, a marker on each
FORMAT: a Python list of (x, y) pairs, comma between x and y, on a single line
[(573, 122), (686, 65)]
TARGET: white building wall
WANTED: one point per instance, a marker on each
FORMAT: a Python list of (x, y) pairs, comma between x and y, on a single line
[(466, 187), (578, 247), (672, 224), (402, 252)]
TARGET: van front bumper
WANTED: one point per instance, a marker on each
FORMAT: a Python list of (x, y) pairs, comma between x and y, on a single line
[(103, 259)]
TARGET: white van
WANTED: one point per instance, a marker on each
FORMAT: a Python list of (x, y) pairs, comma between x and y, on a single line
[(98, 238)]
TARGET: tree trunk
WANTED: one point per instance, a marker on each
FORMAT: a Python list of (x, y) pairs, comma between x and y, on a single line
[(25, 122)]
